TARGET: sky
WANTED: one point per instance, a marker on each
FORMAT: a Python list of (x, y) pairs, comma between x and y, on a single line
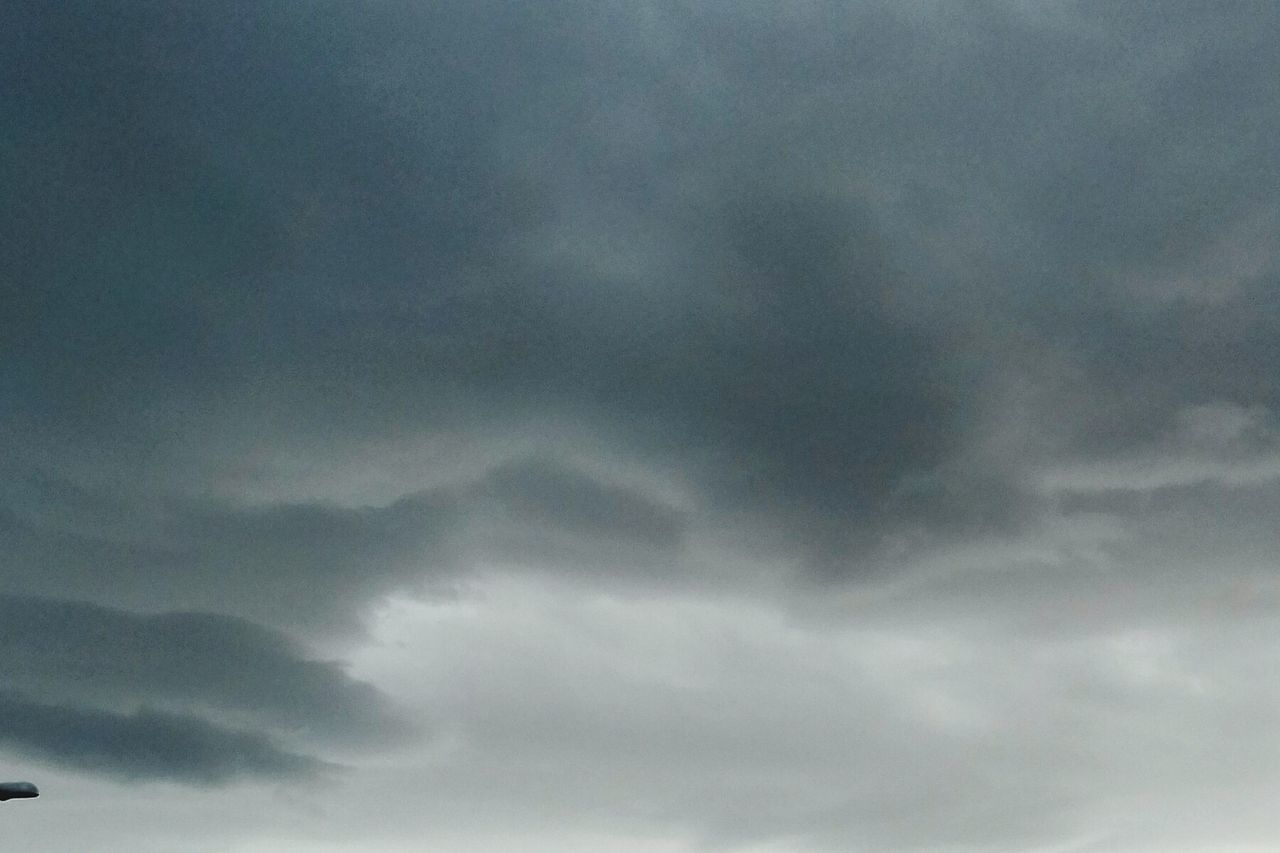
[(665, 426)]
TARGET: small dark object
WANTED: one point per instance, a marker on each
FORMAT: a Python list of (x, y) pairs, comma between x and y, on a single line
[(18, 791)]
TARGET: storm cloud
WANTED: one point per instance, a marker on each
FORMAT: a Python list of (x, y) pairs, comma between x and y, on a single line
[(63, 650), (145, 745), (677, 425), (192, 697)]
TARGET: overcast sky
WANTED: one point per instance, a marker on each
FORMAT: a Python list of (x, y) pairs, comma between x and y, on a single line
[(640, 427)]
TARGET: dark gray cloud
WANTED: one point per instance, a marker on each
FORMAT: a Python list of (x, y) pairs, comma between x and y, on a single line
[(537, 513), (955, 307), (144, 745), (415, 219), (409, 220), (311, 565), (88, 686), (783, 361), (308, 558), (61, 650)]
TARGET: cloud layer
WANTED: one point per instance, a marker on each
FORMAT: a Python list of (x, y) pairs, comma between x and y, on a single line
[(188, 696), (957, 318)]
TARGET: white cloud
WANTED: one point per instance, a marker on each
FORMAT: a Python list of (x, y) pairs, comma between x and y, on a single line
[(732, 724)]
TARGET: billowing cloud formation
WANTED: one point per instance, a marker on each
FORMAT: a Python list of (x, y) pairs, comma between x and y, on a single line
[(963, 310), (412, 221), (186, 696), (182, 661), (301, 564)]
